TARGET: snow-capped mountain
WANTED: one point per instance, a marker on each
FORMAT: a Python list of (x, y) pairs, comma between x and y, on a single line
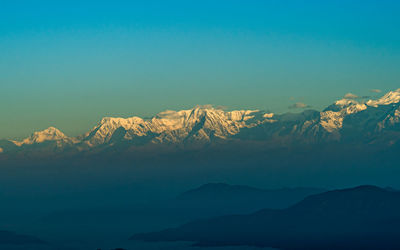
[(346, 119), (332, 117), (390, 98), (50, 134), (50, 138), (200, 124)]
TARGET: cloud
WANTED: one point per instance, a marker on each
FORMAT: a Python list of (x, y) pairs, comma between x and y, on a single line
[(376, 90), (354, 97), (299, 105), (350, 96)]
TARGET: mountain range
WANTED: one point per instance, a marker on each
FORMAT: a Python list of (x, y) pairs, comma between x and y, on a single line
[(351, 119)]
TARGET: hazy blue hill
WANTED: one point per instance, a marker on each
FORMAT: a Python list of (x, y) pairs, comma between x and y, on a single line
[(215, 190), (207, 200), (11, 238), (213, 199), (365, 217), (239, 197)]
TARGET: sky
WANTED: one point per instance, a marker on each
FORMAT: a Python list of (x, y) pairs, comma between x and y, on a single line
[(69, 63)]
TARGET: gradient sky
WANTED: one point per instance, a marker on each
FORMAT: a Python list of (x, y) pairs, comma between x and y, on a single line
[(69, 63)]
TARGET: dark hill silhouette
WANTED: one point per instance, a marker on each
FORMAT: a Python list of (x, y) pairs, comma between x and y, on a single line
[(365, 217)]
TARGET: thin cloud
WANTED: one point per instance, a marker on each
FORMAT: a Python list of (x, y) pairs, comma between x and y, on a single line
[(355, 97), (299, 105), (350, 96), (376, 91)]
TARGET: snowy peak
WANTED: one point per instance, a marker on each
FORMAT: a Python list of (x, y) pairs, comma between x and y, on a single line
[(200, 123), (346, 106), (378, 115), (185, 117), (389, 98), (49, 134), (104, 131), (332, 117)]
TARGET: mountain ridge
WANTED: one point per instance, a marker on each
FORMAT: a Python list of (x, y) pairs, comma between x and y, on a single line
[(203, 125)]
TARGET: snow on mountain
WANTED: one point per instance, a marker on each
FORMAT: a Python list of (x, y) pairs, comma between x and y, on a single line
[(50, 134), (200, 124), (349, 117), (362, 119), (389, 98), (390, 119), (332, 117), (104, 131)]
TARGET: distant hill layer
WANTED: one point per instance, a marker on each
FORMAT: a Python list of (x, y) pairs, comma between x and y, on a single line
[(234, 197), (11, 238), (365, 217)]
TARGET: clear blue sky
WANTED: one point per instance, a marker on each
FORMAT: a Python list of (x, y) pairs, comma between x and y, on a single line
[(69, 63)]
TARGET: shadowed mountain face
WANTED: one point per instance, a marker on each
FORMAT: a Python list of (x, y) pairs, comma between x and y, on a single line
[(365, 217)]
